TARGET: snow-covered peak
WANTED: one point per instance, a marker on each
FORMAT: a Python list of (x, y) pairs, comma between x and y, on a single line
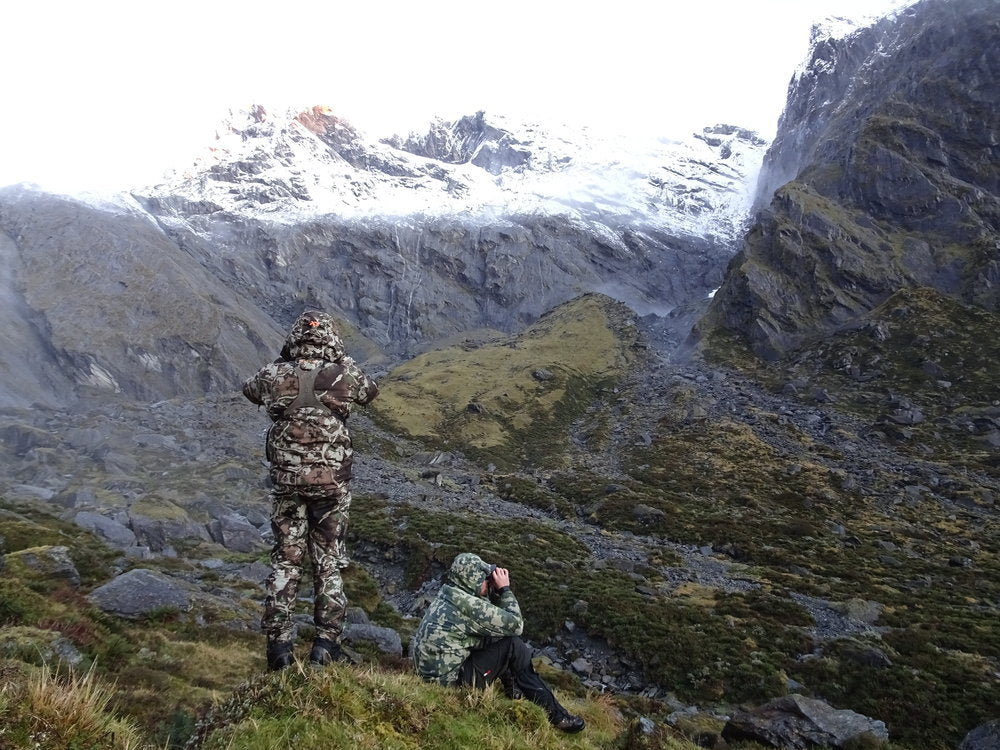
[(290, 163)]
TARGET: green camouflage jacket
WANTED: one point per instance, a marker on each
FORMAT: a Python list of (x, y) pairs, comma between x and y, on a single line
[(459, 620), (308, 446)]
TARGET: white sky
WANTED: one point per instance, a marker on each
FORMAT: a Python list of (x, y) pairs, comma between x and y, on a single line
[(109, 94)]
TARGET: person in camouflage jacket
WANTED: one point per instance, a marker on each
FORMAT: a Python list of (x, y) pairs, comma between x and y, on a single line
[(470, 635), (308, 393)]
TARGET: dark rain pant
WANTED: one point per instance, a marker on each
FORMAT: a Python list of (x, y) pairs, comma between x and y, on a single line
[(508, 658), (301, 526)]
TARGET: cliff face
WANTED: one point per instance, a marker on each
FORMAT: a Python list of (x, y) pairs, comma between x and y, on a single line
[(890, 140), (99, 297)]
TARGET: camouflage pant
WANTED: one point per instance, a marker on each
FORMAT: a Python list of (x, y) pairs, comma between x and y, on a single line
[(317, 526)]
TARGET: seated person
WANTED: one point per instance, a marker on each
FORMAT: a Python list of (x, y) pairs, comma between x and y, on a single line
[(469, 636)]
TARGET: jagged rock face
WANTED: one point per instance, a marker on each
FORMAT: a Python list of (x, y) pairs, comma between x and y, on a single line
[(891, 135), (471, 139), (469, 225), (408, 281)]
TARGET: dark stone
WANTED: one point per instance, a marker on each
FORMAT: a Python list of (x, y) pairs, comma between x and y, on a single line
[(848, 156), (386, 640), (108, 529), (139, 592), (235, 532), (647, 515), (541, 375), (798, 722), (984, 737)]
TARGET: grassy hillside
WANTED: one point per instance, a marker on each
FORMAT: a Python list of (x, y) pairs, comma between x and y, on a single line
[(509, 402)]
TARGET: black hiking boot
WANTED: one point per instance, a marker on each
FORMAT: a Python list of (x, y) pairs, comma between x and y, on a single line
[(280, 654), (564, 721), (325, 651)]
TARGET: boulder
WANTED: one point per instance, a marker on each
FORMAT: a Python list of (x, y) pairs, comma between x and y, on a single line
[(157, 522), (42, 564), (108, 529), (31, 644), (139, 592), (647, 515), (984, 737), (797, 722), (236, 533), (21, 438), (386, 640)]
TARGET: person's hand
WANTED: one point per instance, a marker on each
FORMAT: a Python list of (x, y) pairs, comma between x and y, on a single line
[(501, 578)]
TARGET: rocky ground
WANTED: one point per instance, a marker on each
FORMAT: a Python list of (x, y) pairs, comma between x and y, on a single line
[(177, 487)]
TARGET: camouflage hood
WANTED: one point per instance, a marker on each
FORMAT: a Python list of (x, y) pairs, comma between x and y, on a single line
[(468, 572), (314, 336)]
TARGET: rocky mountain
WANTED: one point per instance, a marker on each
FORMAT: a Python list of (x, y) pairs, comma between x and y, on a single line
[(883, 175), (175, 290)]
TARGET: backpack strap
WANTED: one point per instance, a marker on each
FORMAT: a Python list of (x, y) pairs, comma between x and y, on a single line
[(306, 396)]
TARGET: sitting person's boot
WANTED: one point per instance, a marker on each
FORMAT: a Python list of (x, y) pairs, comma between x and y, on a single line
[(564, 721), (536, 691), (324, 651), (280, 654)]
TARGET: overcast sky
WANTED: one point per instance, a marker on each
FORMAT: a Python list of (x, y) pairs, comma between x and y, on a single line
[(109, 94)]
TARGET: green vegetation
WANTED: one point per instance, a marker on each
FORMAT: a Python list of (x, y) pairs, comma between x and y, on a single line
[(939, 354), (366, 708), (490, 402), (711, 647)]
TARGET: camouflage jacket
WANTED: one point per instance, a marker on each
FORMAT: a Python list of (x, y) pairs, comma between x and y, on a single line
[(459, 620), (308, 446)]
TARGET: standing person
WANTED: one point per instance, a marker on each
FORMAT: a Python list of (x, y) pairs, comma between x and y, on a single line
[(470, 636), (308, 392)]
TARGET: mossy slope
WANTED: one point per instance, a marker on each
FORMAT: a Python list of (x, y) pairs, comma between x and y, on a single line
[(510, 401)]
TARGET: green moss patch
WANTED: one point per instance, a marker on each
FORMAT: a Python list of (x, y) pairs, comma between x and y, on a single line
[(510, 402)]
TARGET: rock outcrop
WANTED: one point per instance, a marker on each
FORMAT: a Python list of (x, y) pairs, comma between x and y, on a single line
[(890, 142), (140, 592), (799, 722)]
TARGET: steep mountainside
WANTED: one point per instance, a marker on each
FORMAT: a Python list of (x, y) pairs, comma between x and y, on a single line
[(890, 139)]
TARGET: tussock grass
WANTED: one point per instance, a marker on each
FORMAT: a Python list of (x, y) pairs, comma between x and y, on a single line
[(41, 710), (369, 708)]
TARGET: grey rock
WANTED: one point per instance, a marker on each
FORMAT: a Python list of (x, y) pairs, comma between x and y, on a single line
[(356, 616), (984, 737), (31, 491), (235, 532), (796, 721), (77, 497), (784, 288), (48, 563), (157, 533), (646, 725), (386, 640), (582, 666), (139, 592), (108, 529), (21, 438), (647, 515), (541, 375)]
